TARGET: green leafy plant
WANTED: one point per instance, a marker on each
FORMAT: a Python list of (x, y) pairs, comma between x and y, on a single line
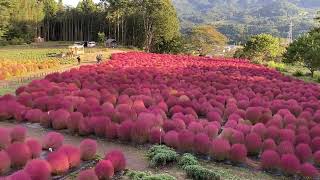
[(298, 73), (139, 175), (197, 172), (187, 160), (161, 155), (278, 66)]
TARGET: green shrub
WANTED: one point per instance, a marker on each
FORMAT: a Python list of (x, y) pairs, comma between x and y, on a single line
[(187, 160), (138, 175), (200, 173), (278, 66), (298, 73), (161, 155)]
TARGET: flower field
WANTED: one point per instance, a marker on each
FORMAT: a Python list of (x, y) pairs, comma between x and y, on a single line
[(29, 158), (226, 109), (18, 62)]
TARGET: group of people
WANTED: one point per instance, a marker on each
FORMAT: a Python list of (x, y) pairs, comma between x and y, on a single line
[(99, 58)]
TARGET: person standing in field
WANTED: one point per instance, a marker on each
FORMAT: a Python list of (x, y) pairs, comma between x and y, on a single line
[(99, 58), (79, 60)]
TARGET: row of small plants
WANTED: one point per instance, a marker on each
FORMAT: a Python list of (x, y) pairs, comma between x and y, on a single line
[(161, 155)]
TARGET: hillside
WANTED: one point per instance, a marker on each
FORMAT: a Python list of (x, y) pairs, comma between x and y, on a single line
[(240, 18)]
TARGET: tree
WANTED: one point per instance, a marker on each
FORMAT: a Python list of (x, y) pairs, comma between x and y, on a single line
[(161, 23), (305, 50), (262, 47), (5, 6), (204, 38)]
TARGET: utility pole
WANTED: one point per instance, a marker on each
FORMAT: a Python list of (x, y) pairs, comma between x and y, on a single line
[(290, 33)]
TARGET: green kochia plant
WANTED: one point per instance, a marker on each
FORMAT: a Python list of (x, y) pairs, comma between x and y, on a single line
[(187, 160), (161, 155), (197, 172), (139, 175)]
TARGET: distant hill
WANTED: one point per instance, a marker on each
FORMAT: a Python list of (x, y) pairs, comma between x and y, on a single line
[(239, 19)]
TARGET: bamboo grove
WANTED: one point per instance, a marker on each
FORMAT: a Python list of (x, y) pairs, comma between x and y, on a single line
[(149, 24)]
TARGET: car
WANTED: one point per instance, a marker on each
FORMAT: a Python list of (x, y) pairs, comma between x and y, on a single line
[(91, 44)]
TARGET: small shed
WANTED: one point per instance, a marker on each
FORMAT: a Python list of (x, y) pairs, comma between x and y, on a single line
[(75, 50), (111, 43)]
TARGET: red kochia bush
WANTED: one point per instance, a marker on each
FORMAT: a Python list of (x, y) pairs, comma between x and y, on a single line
[(186, 141), (34, 146), (254, 114), (195, 127), (287, 135), (285, 147), (111, 130), (238, 153), (269, 144), (171, 139), (124, 130), (307, 170), (38, 169), (272, 132), (303, 138), (5, 138), (34, 115), (5, 162), (253, 143), (260, 129), (19, 154), (20, 175), (303, 152), (316, 158), (18, 133), (52, 140), (156, 135), (270, 159), (59, 119), (237, 137), (73, 123), (220, 149), (118, 160), (59, 162), (73, 154), (211, 130), (88, 149), (104, 169), (315, 144), (289, 164), (88, 174), (201, 143)]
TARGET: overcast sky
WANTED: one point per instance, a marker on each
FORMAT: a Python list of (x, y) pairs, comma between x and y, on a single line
[(74, 2)]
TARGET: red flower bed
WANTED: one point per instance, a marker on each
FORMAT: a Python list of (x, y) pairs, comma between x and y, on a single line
[(141, 94)]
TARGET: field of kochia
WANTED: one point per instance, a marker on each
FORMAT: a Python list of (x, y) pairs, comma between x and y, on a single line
[(225, 109)]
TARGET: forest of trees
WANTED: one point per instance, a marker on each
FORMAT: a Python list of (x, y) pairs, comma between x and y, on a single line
[(149, 24)]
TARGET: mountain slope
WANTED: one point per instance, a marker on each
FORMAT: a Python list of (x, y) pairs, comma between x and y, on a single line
[(239, 19)]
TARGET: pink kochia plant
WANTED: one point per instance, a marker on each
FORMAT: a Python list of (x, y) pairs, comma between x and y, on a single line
[(5, 162), (220, 149), (104, 169), (73, 154), (59, 162), (171, 139), (18, 133), (307, 170), (5, 138), (34, 146), (289, 164), (88, 149), (118, 160), (52, 140), (238, 153), (19, 154), (38, 169), (270, 159)]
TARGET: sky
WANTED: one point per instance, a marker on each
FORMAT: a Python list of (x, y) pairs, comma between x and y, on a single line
[(74, 2)]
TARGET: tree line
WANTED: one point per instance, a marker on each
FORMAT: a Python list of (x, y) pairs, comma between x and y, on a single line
[(149, 24)]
